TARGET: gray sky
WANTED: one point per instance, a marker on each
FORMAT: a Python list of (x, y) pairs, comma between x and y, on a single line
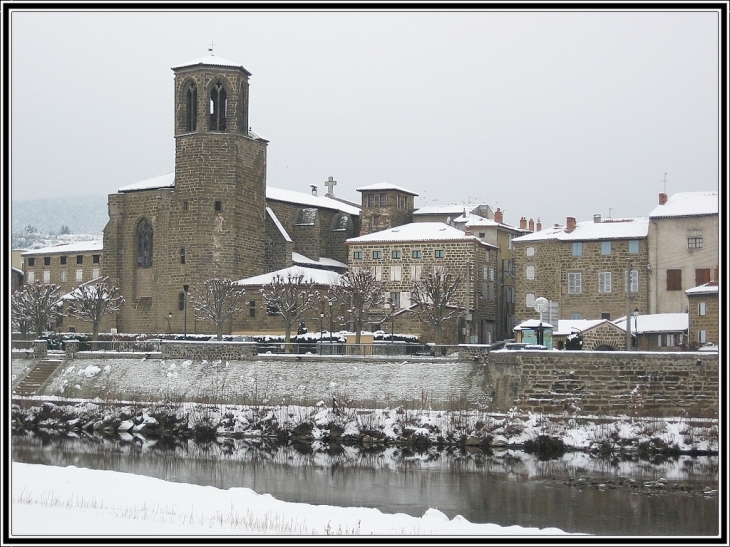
[(543, 114)]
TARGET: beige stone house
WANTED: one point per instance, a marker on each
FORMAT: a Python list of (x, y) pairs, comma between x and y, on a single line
[(581, 268), (683, 248), (67, 265), (405, 254), (704, 315)]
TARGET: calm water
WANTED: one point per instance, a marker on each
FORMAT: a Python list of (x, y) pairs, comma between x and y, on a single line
[(506, 488)]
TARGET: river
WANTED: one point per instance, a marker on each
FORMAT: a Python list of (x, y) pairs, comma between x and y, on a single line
[(506, 487)]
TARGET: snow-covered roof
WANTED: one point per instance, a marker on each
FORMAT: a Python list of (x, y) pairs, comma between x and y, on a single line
[(322, 262), (685, 204), (163, 181), (658, 322), (452, 209), (211, 60), (301, 198), (384, 186), (475, 221), (278, 225), (533, 324), (418, 231), (617, 228), (76, 247), (315, 275), (707, 288), (571, 326)]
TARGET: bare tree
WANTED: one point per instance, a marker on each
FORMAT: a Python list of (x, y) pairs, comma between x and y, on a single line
[(291, 297), (92, 301), (360, 294), (434, 299), (216, 301), (37, 305)]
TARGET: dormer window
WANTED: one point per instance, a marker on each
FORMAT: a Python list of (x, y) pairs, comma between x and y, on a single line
[(218, 107)]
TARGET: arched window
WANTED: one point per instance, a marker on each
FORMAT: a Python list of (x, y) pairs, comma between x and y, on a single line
[(218, 106), (144, 244), (191, 103)]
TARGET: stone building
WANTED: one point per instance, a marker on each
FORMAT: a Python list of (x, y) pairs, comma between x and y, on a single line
[(405, 254), (385, 206), (704, 315), (581, 268), (213, 216), (658, 331), (684, 248), (596, 334), (66, 265)]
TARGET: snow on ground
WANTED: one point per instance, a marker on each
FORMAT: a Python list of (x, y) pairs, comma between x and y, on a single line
[(69, 501)]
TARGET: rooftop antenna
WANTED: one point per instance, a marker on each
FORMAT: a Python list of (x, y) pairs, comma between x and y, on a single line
[(210, 49), (665, 183), (609, 211)]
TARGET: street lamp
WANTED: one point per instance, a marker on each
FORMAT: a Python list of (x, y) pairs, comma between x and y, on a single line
[(321, 318), (330, 304), (636, 327), (185, 307), (169, 318)]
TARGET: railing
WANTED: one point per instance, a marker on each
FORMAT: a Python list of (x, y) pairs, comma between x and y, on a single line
[(384, 348), (22, 344), (124, 346)]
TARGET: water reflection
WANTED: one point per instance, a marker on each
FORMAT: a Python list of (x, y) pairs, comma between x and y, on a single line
[(507, 487)]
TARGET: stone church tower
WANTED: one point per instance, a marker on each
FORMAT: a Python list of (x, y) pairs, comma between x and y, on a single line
[(207, 219)]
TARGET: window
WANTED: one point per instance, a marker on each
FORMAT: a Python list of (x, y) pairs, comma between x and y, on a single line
[(634, 246), (606, 316), (63, 261), (488, 256), (405, 299), (371, 200), (377, 255), (181, 301), (694, 239), (530, 300), (530, 272), (702, 276), (666, 340), (46, 260), (182, 255), (577, 248), (702, 308), (530, 251), (634, 280), (576, 316), (438, 253), (47, 276), (485, 272), (383, 200), (191, 110), (218, 106), (357, 255), (416, 254), (439, 269), (252, 308), (95, 273), (674, 280), (95, 259), (604, 282), (510, 295), (185, 205), (575, 282), (605, 247), (79, 275), (378, 271), (416, 272), (144, 244), (482, 235), (491, 274), (395, 300), (62, 276), (395, 273), (702, 336), (31, 277), (218, 205), (79, 259), (395, 254), (376, 220), (509, 268)]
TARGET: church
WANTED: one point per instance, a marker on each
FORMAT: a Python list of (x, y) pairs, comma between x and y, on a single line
[(214, 215)]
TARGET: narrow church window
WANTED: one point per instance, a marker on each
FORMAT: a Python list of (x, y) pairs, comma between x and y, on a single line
[(185, 205), (192, 108), (181, 301), (182, 255), (218, 205), (218, 105), (144, 244), (252, 308)]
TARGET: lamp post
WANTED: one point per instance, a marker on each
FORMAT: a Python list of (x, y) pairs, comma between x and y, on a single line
[(321, 328), (185, 308), (330, 305), (169, 318), (636, 327)]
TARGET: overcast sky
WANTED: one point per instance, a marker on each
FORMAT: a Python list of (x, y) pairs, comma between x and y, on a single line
[(543, 114)]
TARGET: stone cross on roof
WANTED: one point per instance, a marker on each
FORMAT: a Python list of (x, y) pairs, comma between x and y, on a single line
[(330, 184)]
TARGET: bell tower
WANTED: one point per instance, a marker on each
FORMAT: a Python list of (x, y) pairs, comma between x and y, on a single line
[(217, 212)]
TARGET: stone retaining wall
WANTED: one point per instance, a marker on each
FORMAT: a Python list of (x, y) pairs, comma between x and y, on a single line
[(228, 351)]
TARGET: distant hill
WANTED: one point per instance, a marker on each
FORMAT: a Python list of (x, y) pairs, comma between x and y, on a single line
[(85, 214)]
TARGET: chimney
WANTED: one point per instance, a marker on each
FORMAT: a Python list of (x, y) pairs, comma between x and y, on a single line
[(662, 198), (538, 226), (597, 219), (499, 216), (570, 224), (314, 189), (523, 223), (532, 225)]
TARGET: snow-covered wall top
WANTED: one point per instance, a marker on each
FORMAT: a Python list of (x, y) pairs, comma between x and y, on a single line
[(384, 186), (76, 247), (617, 228), (418, 231), (685, 204)]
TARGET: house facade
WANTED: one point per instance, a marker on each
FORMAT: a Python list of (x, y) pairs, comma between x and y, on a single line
[(406, 254), (683, 248), (704, 315), (581, 268), (66, 265)]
